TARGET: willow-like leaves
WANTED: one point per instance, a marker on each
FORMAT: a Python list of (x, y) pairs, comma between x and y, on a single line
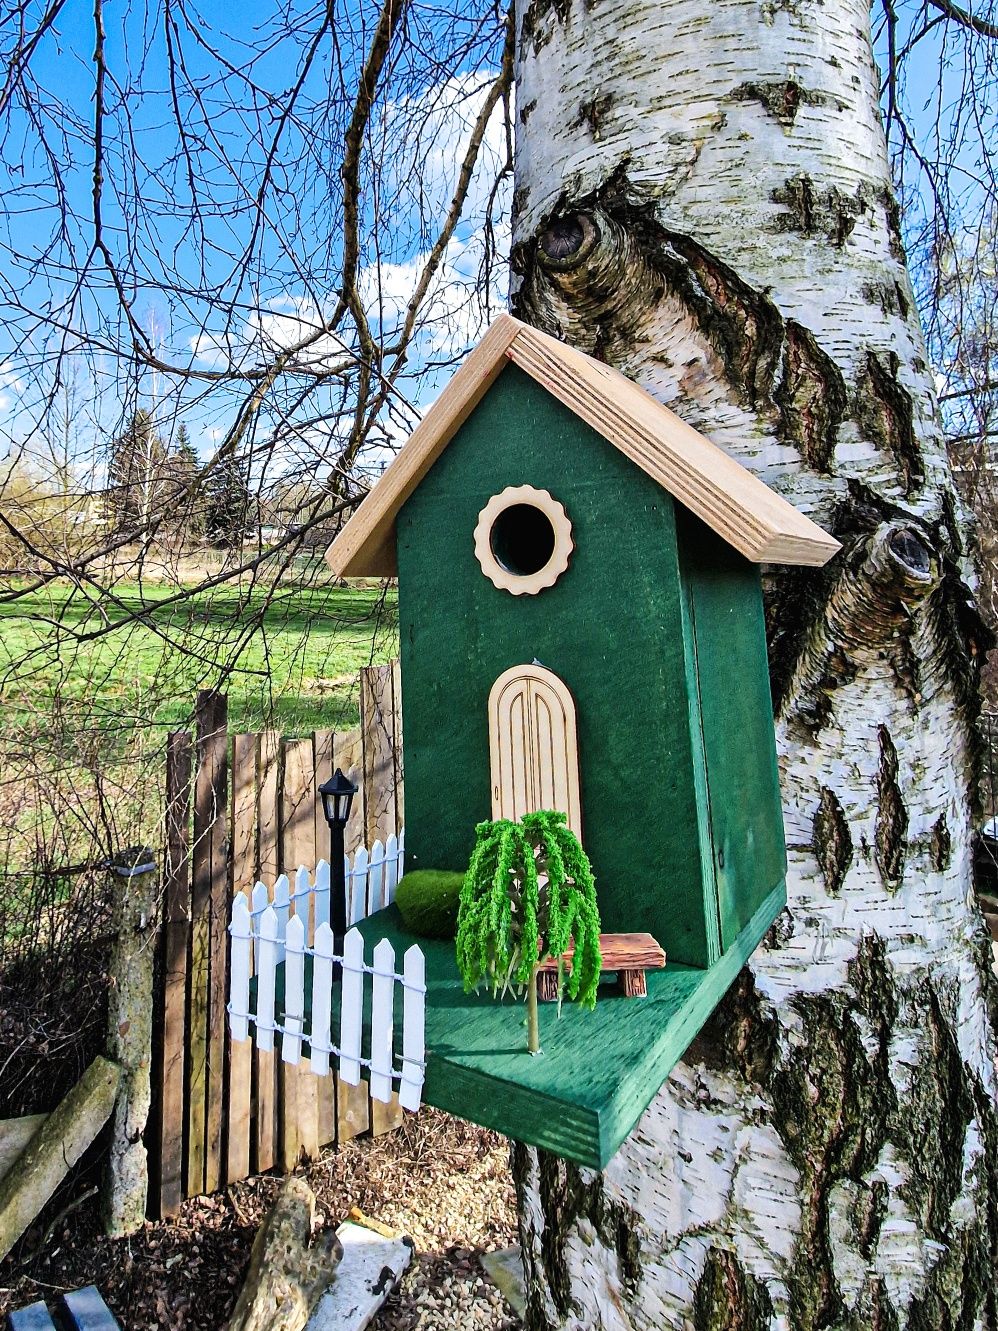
[(528, 893)]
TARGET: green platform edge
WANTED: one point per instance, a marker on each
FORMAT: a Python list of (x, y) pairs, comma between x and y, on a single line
[(599, 1070)]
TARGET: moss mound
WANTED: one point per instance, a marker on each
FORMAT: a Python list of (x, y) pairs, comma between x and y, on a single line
[(428, 900)]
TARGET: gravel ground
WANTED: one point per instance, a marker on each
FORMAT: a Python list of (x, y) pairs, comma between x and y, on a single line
[(442, 1181)]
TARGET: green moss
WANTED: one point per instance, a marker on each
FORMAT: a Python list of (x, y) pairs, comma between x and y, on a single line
[(728, 1298), (428, 900)]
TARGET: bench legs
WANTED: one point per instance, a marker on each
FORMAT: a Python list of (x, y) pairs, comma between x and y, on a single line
[(547, 986), (632, 984)]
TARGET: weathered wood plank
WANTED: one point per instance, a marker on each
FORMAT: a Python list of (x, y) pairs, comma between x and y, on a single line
[(217, 758), (197, 1035), (378, 724), (299, 1087), (239, 1111), (172, 1064), (55, 1148), (15, 1133), (264, 1062), (349, 757)]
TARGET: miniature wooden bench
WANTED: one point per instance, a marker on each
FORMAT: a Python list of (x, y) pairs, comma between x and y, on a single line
[(630, 955), (83, 1310)]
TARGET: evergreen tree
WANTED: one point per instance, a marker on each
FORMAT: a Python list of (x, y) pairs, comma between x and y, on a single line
[(227, 501), (188, 505), (186, 452), (137, 474)]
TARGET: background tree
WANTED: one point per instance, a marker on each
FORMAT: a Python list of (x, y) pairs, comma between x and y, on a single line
[(136, 476), (228, 503), (704, 200)]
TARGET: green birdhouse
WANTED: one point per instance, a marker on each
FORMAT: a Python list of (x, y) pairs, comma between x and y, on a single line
[(581, 628)]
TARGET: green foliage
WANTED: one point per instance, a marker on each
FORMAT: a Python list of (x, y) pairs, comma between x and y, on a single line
[(138, 487), (428, 900), (228, 502), (509, 919)]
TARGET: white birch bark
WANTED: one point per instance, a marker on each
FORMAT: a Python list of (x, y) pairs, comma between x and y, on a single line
[(703, 199)]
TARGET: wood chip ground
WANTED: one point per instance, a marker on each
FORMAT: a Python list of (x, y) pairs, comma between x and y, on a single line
[(442, 1181)]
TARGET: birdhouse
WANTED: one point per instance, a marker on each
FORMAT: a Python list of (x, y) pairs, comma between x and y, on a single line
[(581, 628)]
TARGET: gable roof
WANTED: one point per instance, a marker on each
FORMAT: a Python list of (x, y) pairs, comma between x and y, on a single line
[(739, 507)]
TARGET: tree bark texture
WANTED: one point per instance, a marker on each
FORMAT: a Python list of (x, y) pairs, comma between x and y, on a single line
[(130, 1018), (290, 1266), (703, 200)]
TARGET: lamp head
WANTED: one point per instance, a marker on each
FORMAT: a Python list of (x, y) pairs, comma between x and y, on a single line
[(337, 797)]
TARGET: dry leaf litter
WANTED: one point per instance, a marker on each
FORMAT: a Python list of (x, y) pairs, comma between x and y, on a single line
[(444, 1182)]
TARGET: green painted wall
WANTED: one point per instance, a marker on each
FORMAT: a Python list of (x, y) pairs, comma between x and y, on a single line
[(612, 628), (736, 709)]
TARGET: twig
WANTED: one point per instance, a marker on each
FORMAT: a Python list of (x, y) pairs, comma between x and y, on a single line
[(66, 1210)]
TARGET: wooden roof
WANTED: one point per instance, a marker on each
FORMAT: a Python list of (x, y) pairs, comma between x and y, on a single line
[(736, 504)]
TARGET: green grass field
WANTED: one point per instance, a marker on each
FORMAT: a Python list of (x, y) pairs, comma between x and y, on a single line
[(286, 657)]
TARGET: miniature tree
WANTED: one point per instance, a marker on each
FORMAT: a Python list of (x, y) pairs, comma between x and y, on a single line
[(528, 892)]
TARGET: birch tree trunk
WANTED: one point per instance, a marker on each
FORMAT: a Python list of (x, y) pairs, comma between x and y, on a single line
[(703, 200)]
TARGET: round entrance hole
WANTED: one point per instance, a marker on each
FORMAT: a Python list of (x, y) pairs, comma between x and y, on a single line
[(522, 540)]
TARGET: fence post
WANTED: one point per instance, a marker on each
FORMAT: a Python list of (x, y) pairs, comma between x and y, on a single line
[(136, 884)]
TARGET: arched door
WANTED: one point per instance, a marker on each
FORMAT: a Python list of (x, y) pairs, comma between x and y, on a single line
[(534, 745)]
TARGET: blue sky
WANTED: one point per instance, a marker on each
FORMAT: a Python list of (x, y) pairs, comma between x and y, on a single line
[(186, 287), (193, 291)]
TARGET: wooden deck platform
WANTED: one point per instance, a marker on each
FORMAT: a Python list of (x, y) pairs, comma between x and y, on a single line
[(598, 1070)]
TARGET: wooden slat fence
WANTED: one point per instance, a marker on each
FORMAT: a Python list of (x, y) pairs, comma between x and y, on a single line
[(243, 809), (280, 926)]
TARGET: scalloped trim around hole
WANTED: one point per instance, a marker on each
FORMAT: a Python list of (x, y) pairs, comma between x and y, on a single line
[(523, 540)]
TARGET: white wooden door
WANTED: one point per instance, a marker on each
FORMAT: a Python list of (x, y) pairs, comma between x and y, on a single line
[(534, 745)]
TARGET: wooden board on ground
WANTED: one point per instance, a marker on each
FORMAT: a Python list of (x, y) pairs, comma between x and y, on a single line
[(15, 1133), (55, 1148)]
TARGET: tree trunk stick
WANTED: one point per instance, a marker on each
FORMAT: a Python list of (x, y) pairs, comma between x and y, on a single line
[(136, 888)]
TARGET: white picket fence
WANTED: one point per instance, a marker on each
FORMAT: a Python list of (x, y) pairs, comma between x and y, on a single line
[(269, 929)]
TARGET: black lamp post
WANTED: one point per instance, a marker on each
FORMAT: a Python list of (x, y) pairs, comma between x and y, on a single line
[(337, 796)]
